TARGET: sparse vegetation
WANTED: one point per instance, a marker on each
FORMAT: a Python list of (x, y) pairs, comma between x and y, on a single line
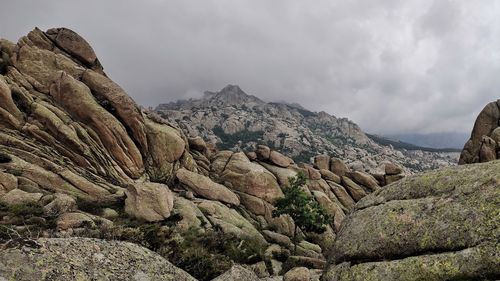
[(230, 140), (307, 214), (304, 157), (4, 158), (207, 255)]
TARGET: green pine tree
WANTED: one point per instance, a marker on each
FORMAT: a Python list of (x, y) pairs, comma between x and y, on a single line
[(307, 214)]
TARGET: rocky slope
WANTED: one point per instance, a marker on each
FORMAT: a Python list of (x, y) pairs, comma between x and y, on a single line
[(78, 157), (441, 225), (234, 120)]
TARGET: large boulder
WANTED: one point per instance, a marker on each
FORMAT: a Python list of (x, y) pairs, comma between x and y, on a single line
[(322, 162), (116, 100), (244, 176), (230, 221), (297, 274), (74, 220), (165, 146), (192, 217), (338, 167), (332, 209), (364, 179), (263, 152), (488, 149), (87, 110), (392, 169), (20, 197), (279, 159), (149, 201), (487, 121), (340, 192), (354, 189), (206, 188), (61, 259), (281, 174), (75, 45), (441, 225)]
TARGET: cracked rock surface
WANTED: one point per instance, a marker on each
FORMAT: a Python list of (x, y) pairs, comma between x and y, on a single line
[(441, 225)]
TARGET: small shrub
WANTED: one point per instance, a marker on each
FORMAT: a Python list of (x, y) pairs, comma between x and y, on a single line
[(307, 214), (5, 158), (24, 210)]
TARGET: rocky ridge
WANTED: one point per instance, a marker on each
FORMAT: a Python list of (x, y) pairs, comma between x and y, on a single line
[(235, 120), (78, 157)]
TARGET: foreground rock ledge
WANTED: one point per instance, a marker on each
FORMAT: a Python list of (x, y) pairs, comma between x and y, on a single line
[(65, 259), (441, 225)]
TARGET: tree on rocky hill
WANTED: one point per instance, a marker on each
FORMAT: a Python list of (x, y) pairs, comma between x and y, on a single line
[(307, 214)]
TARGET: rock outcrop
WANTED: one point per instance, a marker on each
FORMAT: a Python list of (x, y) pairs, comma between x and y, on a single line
[(483, 143), (441, 225), (205, 187), (78, 157), (149, 201), (85, 259)]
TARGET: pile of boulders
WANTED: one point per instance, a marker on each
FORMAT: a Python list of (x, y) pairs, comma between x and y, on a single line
[(484, 142)]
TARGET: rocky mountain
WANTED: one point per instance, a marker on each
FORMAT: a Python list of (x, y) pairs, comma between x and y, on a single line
[(84, 171), (232, 119), (79, 158)]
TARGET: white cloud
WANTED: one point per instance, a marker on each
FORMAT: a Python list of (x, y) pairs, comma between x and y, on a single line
[(389, 65)]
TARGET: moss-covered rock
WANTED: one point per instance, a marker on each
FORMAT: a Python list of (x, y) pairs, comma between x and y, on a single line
[(441, 225), (85, 259)]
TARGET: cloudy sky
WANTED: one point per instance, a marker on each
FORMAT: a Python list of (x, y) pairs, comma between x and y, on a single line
[(391, 66)]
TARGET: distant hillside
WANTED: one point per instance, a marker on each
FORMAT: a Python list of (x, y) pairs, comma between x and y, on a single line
[(397, 144), (234, 120), (433, 140)]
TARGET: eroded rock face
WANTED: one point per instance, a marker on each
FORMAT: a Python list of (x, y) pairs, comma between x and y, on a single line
[(69, 128), (149, 201), (111, 132), (61, 259), (20, 197), (75, 45), (72, 140), (205, 187), (487, 121), (298, 274), (242, 175), (441, 225)]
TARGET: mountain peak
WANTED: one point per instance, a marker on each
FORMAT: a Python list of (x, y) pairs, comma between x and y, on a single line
[(233, 89), (231, 95)]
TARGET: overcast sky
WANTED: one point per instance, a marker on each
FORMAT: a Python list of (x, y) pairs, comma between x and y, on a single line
[(391, 66)]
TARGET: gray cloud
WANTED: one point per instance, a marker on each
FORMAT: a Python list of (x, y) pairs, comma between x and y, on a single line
[(391, 66)]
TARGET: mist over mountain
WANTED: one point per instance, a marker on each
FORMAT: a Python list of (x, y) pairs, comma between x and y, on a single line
[(129, 152), (433, 140), (234, 120)]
